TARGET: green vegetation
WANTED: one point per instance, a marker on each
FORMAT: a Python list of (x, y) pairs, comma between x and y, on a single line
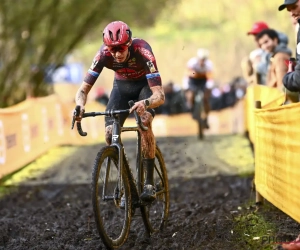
[(235, 151), (35, 34), (254, 230), (221, 26)]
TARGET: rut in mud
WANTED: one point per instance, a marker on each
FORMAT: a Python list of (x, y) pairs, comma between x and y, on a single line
[(54, 211)]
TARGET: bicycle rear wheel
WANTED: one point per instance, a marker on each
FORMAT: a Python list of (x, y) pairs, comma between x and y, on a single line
[(156, 214), (112, 222), (197, 113), (200, 130)]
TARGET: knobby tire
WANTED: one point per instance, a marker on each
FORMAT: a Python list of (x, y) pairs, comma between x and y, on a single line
[(109, 242), (145, 210)]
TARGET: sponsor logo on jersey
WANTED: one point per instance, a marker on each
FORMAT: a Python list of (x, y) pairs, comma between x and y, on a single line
[(95, 61), (151, 67), (130, 73), (94, 64), (146, 53), (132, 62)]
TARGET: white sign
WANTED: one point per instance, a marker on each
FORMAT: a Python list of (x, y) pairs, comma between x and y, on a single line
[(26, 132)]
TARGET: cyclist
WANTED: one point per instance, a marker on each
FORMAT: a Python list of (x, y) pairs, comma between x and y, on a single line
[(199, 77), (136, 78)]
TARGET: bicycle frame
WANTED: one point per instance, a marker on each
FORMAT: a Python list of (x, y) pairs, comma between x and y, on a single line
[(126, 185), (138, 158), (117, 142)]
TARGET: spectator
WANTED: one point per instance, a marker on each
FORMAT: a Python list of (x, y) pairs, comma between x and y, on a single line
[(216, 98), (174, 100), (292, 79), (101, 96), (268, 40), (255, 67), (239, 85), (228, 96)]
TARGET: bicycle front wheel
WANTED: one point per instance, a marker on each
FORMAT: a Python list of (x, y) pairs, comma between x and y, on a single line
[(111, 202), (156, 214)]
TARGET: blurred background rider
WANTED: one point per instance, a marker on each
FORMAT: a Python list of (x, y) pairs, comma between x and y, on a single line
[(199, 77)]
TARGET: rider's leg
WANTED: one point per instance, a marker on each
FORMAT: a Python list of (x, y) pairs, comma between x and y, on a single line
[(116, 101), (189, 95), (148, 153), (206, 104)]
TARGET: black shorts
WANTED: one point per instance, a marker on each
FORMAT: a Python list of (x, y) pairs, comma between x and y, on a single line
[(124, 91), (196, 84)]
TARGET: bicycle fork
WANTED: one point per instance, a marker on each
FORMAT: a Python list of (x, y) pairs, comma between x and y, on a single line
[(116, 142)]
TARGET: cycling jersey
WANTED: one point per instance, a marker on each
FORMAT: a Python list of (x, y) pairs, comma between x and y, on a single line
[(141, 64), (202, 77), (201, 71)]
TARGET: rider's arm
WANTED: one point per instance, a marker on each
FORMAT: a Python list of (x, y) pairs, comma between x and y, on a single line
[(209, 75), (89, 80), (153, 76), (82, 92), (190, 68), (157, 98)]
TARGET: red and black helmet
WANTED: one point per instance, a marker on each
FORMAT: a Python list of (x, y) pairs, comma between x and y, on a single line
[(116, 33)]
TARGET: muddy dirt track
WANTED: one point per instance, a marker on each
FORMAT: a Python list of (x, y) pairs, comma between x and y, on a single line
[(207, 194)]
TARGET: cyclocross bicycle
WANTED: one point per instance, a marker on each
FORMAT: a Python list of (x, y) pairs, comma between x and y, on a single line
[(115, 192)]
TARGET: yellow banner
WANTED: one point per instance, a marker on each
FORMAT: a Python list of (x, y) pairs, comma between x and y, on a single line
[(264, 94), (277, 148), (31, 128)]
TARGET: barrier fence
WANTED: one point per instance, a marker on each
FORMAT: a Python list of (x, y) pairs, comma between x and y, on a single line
[(277, 147), (274, 131), (31, 128)]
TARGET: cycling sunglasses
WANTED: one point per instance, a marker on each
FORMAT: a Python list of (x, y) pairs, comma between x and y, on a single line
[(115, 49)]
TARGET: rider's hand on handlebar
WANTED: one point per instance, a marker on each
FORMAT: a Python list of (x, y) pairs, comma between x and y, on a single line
[(139, 107), (78, 115)]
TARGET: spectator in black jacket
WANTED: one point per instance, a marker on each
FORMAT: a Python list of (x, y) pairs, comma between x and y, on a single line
[(292, 79)]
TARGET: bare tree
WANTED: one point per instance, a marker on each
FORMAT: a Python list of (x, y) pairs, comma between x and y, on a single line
[(35, 35)]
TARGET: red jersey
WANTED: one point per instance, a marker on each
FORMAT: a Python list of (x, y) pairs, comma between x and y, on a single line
[(141, 64)]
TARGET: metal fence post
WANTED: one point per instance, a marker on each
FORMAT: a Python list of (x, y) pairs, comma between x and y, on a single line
[(258, 198)]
